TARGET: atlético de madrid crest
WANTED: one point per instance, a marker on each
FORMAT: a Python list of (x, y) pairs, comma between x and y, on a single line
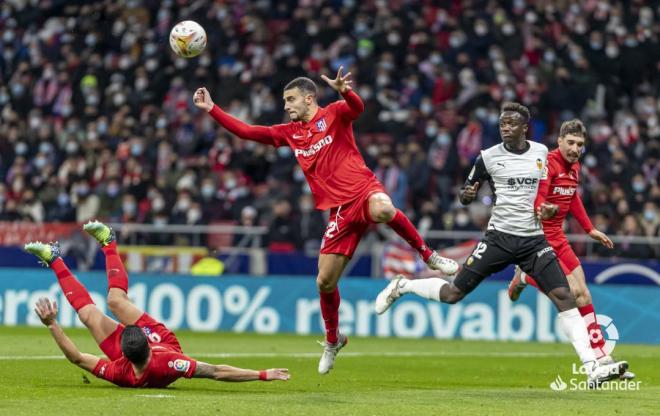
[(320, 125)]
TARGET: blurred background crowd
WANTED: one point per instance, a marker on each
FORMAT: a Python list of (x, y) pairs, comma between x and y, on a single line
[(98, 121)]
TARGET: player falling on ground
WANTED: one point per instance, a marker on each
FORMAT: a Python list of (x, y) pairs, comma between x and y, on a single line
[(557, 196), (323, 143), (141, 351), (514, 236)]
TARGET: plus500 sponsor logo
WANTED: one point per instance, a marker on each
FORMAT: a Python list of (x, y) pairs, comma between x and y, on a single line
[(315, 148)]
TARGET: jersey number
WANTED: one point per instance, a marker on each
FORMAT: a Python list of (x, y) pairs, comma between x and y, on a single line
[(479, 250)]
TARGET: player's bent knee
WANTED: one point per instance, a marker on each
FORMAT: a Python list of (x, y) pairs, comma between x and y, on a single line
[(116, 300), (451, 295), (325, 284), (384, 212)]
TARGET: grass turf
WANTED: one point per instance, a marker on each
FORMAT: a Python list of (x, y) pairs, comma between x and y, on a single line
[(373, 376)]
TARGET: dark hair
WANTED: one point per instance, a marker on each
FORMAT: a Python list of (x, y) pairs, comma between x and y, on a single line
[(574, 127), (134, 345), (518, 108), (304, 84)]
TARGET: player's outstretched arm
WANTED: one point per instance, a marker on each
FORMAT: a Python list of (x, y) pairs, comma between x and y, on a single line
[(352, 106), (47, 312), (261, 134), (223, 372)]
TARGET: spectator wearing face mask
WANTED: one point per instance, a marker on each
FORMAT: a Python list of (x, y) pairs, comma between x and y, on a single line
[(627, 248)]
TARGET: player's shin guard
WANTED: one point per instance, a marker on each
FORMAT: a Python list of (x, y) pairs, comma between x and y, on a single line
[(402, 225), (596, 337), (117, 276), (74, 291), (330, 311), (575, 329)]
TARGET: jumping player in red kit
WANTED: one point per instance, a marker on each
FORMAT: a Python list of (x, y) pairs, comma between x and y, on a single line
[(557, 196), (141, 351), (323, 143)]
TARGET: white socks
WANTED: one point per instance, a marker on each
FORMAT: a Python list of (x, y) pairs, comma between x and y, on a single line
[(576, 330), (426, 288)]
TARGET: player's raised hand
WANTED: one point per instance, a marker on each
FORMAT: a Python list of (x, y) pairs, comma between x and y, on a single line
[(46, 311), (602, 238), (546, 210), (277, 374), (470, 191), (202, 99), (340, 84)]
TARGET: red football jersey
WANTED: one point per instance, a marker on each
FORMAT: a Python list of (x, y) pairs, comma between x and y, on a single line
[(559, 186), (166, 366), (324, 147)]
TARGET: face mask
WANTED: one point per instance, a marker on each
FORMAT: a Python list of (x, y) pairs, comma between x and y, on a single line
[(113, 190), (160, 221), (649, 215), (102, 127), (71, 147), (298, 175), (549, 56), (21, 148), (462, 219), (481, 113), (62, 199), (158, 204), (230, 183), (426, 108), (430, 132), (612, 51), (161, 123), (83, 191), (284, 151), (136, 149), (194, 215), (443, 139), (40, 162), (183, 204), (306, 206), (508, 29), (208, 191), (17, 89), (128, 208), (638, 186)]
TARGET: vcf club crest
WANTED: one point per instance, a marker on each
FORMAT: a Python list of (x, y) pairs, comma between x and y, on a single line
[(539, 164)]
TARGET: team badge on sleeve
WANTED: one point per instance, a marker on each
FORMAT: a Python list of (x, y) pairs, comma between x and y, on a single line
[(544, 175), (179, 365), (539, 164)]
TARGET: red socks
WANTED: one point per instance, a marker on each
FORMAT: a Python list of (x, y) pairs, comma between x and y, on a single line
[(330, 311), (402, 225), (114, 267), (530, 281), (596, 337), (74, 291)]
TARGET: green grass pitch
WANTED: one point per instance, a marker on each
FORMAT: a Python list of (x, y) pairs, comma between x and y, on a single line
[(372, 376)]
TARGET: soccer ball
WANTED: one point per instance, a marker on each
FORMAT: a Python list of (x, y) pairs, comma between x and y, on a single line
[(188, 39)]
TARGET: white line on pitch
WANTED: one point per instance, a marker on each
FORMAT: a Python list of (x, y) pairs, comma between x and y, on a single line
[(315, 354)]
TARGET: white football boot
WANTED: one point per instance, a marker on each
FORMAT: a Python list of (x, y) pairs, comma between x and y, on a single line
[(330, 353)]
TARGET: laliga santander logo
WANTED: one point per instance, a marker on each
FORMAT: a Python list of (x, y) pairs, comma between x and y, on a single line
[(558, 384), (596, 334)]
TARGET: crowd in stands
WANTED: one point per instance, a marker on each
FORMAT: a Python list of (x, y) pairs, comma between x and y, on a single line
[(98, 120)]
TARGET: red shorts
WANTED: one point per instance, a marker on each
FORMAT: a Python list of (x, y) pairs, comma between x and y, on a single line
[(156, 333), (348, 224), (567, 258)]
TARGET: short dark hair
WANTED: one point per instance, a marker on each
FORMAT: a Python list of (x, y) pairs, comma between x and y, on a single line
[(134, 345), (304, 84), (518, 108), (574, 127)]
